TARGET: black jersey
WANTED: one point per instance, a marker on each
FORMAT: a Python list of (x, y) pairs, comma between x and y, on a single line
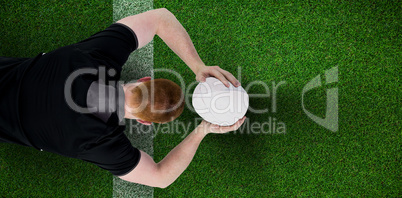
[(41, 98)]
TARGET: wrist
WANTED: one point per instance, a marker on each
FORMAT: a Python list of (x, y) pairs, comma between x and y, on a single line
[(198, 67), (202, 130)]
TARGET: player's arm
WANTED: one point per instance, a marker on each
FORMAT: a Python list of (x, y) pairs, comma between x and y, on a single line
[(162, 174), (163, 23)]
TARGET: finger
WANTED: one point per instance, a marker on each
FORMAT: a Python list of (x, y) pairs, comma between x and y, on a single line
[(220, 77), (201, 79), (230, 77), (239, 123)]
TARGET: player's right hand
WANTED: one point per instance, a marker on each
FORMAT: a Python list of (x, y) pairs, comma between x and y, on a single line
[(208, 127)]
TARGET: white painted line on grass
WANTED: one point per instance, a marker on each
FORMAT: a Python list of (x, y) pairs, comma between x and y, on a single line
[(138, 65)]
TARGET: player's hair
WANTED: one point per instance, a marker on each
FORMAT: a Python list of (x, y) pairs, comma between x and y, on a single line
[(158, 100)]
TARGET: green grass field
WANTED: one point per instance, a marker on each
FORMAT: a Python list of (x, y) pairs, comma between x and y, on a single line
[(274, 41), (270, 41)]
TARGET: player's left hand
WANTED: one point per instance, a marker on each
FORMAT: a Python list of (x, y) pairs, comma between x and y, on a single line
[(208, 127), (215, 71)]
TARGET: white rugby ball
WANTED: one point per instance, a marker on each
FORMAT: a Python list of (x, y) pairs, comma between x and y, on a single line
[(219, 104)]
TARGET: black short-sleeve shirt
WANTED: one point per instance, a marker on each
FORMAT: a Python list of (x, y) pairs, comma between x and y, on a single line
[(42, 116)]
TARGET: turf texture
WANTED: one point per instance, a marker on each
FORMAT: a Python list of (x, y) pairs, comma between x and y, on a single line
[(293, 42), (272, 41)]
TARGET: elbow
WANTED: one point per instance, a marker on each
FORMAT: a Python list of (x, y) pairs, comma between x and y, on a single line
[(163, 186), (165, 13), (163, 10), (165, 18), (164, 182), (165, 179)]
